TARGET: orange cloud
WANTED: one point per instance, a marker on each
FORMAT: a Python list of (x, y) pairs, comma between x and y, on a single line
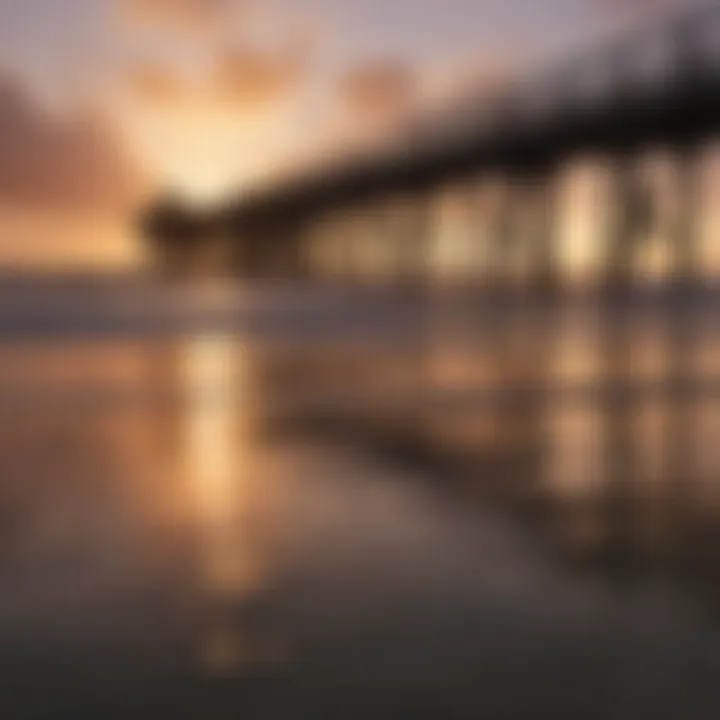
[(183, 15), (379, 91), (53, 163), (241, 80), (159, 85), (251, 78)]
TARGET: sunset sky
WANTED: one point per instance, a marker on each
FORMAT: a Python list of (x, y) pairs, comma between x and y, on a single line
[(104, 102)]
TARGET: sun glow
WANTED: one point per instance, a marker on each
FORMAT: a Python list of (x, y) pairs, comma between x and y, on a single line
[(205, 154)]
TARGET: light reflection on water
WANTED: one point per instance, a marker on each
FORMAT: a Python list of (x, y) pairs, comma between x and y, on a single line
[(169, 522), (219, 479), (222, 468)]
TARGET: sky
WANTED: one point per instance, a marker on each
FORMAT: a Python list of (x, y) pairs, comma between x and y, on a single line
[(105, 103)]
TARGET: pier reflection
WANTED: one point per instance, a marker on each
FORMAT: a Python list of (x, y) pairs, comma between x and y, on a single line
[(593, 418)]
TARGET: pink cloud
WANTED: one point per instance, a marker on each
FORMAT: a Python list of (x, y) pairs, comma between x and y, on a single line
[(49, 162)]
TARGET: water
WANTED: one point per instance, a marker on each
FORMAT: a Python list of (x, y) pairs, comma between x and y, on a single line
[(277, 502)]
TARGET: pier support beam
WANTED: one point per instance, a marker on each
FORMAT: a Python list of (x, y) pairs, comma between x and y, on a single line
[(684, 232), (631, 216)]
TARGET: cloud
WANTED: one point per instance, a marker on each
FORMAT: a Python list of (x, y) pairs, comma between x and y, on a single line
[(378, 91), (158, 85), (252, 78), (471, 79), (59, 163), (239, 81), (178, 15), (244, 67), (383, 98)]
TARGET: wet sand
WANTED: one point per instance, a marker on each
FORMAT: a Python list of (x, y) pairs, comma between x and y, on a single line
[(277, 503)]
